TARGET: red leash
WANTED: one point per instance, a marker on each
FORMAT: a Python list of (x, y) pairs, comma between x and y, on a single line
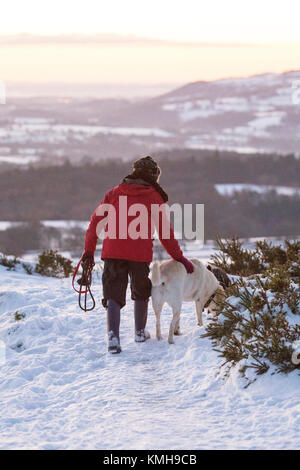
[(87, 268)]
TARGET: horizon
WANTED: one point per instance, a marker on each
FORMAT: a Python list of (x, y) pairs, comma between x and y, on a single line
[(102, 90), (164, 44)]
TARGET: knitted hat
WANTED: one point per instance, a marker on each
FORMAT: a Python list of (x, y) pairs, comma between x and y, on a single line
[(148, 170), (148, 166)]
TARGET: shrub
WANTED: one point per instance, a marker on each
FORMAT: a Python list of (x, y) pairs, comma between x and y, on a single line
[(235, 259), (19, 316), (257, 318), (52, 264), (9, 263)]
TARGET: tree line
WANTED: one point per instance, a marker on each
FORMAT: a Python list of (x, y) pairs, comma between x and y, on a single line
[(72, 192)]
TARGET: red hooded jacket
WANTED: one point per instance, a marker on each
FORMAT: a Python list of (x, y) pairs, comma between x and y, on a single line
[(117, 244)]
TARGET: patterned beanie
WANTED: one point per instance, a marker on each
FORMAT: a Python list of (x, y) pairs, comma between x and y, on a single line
[(148, 166)]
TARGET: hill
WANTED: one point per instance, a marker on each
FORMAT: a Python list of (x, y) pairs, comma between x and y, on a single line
[(252, 114)]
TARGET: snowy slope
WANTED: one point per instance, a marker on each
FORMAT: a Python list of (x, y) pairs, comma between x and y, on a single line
[(59, 389), (258, 113), (248, 114)]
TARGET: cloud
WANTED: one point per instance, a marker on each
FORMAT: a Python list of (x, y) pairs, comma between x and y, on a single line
[(105, 39)]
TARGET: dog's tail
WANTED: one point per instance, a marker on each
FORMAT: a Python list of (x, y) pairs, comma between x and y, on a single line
[(155, 278)]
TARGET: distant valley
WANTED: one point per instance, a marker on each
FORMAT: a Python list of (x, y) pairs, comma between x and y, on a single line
[(249, 115)]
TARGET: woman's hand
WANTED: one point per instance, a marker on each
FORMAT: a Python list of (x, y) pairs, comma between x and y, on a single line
[(187, 264), (87, 255), (87, 263)]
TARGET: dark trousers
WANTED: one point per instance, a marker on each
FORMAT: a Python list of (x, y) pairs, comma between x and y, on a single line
[(115, 280)]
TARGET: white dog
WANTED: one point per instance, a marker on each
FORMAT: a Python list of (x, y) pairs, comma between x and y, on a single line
[(172, 284)]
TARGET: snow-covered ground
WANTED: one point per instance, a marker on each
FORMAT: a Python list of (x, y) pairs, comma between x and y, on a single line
[(36, 131), (59, 389), (18, 159), (228, 189)]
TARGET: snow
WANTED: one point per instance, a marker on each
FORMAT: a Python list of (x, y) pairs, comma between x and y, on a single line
[(200, 142), (19, 160), (230, 188), (232, 103), (190, 114), (259, 113), (267, 119), (41, 132), (30, 120), (189, 110), (60, 389), (202, 108), (65, 224), (261, 79), (59, 224), (4, 225)]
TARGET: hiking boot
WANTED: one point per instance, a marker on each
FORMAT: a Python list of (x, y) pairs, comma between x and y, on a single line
[(141, 336), (113, 344), (113, 326), (140, 317)]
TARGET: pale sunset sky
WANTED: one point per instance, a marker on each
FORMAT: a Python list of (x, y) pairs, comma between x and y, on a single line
[(146, 42)]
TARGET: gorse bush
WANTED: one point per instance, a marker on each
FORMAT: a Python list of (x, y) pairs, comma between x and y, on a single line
[(11, 263), (258, 319), (235, 259), (19, 316), (8, 262), (52, 264)]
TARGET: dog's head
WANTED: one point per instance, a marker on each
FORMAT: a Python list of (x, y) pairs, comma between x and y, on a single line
[(221, 275), (224, 283), (214, 300)]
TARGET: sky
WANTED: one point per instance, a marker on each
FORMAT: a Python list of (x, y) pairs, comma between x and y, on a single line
[(142, 42)]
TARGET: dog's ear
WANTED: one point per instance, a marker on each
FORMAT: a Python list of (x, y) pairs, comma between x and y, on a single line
[(209, 267)]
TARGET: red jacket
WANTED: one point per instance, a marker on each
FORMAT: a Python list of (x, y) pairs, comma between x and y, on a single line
[(139, 249)]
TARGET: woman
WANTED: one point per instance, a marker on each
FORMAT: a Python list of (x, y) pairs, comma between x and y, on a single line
[(130, 255)]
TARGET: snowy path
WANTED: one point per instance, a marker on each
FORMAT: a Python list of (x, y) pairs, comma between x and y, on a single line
[(59, 389)]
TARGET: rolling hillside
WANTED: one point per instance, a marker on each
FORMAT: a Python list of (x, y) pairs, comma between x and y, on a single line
[(259, 113)]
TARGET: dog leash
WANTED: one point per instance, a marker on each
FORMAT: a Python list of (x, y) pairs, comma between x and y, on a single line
[(85, 283)]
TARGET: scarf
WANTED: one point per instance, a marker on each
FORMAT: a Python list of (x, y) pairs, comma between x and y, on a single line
[(140, 177)]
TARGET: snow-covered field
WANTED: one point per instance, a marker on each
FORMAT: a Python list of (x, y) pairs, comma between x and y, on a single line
[(19, 160), (231, 188), (35, 131), (59, 389)]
